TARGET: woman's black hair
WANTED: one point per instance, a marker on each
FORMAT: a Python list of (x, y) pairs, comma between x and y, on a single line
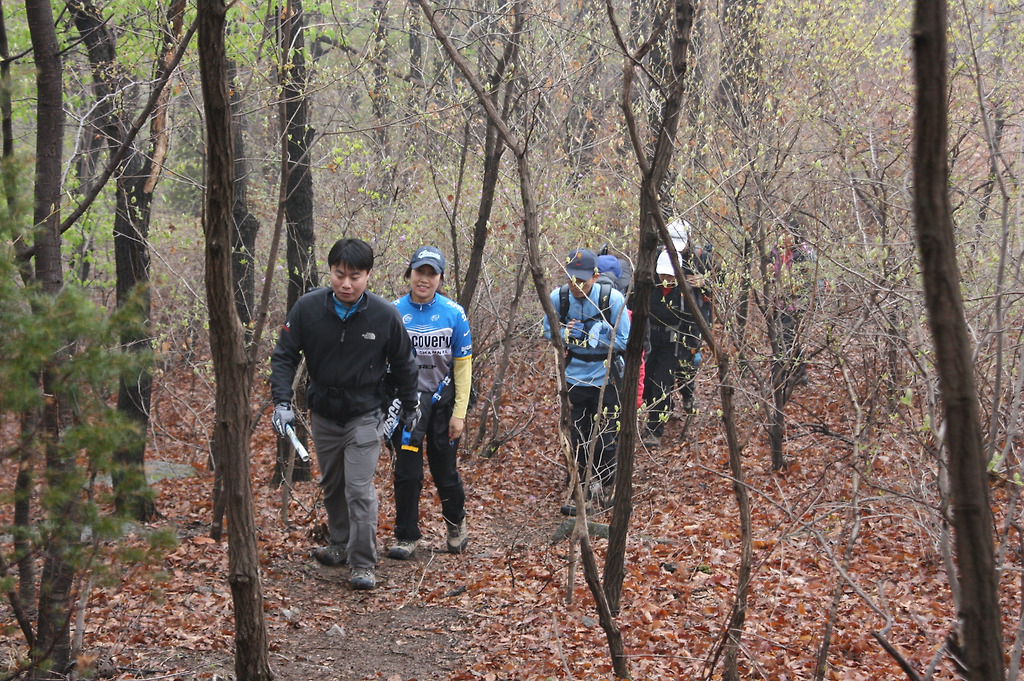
[(354, 253)]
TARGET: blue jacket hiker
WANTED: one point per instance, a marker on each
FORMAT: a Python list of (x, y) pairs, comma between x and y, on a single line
[(439, 331), (592, 319)]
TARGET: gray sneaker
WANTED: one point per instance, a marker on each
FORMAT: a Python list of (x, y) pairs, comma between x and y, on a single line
[(403, 549), (331, 555), (458, 536), (652, 440), (362, 579)]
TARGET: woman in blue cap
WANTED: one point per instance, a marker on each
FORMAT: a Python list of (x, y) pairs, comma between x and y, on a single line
[(440, 336)]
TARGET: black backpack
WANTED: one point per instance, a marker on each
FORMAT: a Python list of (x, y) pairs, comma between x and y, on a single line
[(603, 303)]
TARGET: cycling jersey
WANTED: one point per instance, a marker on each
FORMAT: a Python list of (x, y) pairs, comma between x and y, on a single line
[(439, 332)]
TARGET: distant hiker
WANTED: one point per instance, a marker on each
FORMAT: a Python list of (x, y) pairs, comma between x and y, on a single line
[(795, 271), (674, 335), (440, 337), (349, 338), (610, 270), (592, 319)]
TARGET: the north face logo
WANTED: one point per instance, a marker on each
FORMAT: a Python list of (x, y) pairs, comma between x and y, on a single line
[(370, 335)]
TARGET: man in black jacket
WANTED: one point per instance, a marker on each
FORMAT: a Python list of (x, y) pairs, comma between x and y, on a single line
[(349, 337)]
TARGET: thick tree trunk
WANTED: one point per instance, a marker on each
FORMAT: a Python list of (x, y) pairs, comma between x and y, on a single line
[(230, 360), (52, 636), (131, 261), (981, 633)]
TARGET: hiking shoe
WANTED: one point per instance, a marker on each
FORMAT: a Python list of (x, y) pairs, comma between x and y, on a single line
[(331, 555), (458, 536), (362, 579), (403, 549), (652, 440)]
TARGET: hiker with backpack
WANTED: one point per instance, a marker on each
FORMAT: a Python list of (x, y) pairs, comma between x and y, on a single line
[(675, 338), (795, 265), (439, 331), (592, 320), (615, 272)]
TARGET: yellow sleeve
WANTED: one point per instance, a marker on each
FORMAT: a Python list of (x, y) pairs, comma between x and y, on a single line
[(463, 381)]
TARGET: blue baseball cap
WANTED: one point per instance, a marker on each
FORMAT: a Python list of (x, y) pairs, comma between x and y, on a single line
[(427, 255), (581, 264)]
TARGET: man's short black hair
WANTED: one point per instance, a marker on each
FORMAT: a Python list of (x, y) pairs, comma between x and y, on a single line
[(354, 253)]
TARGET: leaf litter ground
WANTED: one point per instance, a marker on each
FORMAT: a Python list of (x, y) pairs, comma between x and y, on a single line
[(500, 610)]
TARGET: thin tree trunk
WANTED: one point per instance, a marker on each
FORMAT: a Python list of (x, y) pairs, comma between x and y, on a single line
[(654, 169), (531, 235), (980, 646), (230, 360), (23, 484), (133, 209), (493, 442), (301, 241), (494, 148), (379, 95)]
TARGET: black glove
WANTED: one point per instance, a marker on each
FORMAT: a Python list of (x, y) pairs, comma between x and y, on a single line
[(283, 417), (409, 419)]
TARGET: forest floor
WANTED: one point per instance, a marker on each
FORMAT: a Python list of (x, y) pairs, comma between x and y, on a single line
[(500, 610)]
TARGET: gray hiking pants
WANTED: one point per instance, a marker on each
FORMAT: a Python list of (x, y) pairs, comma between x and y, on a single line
[(347, 454)]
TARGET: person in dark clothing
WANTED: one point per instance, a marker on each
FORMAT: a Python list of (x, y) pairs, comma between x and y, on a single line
[(349, 338), (795, 269), (674, 335)]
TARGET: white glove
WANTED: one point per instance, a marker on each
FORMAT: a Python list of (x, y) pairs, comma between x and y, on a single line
[(283, 416), (409, 419)]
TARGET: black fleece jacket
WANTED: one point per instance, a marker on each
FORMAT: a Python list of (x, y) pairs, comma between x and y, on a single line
[(347, 359)]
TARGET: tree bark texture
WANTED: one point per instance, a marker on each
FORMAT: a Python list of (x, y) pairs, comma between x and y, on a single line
[(981, 633), (298, 205), (230, 360), (247, 226), (49, 138), (52, 635)]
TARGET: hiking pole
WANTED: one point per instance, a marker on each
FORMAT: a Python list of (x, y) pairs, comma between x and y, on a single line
[(296, 442)]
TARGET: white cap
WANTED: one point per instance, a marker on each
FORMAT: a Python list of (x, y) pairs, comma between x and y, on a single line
[(664, 265), (679, 231)]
